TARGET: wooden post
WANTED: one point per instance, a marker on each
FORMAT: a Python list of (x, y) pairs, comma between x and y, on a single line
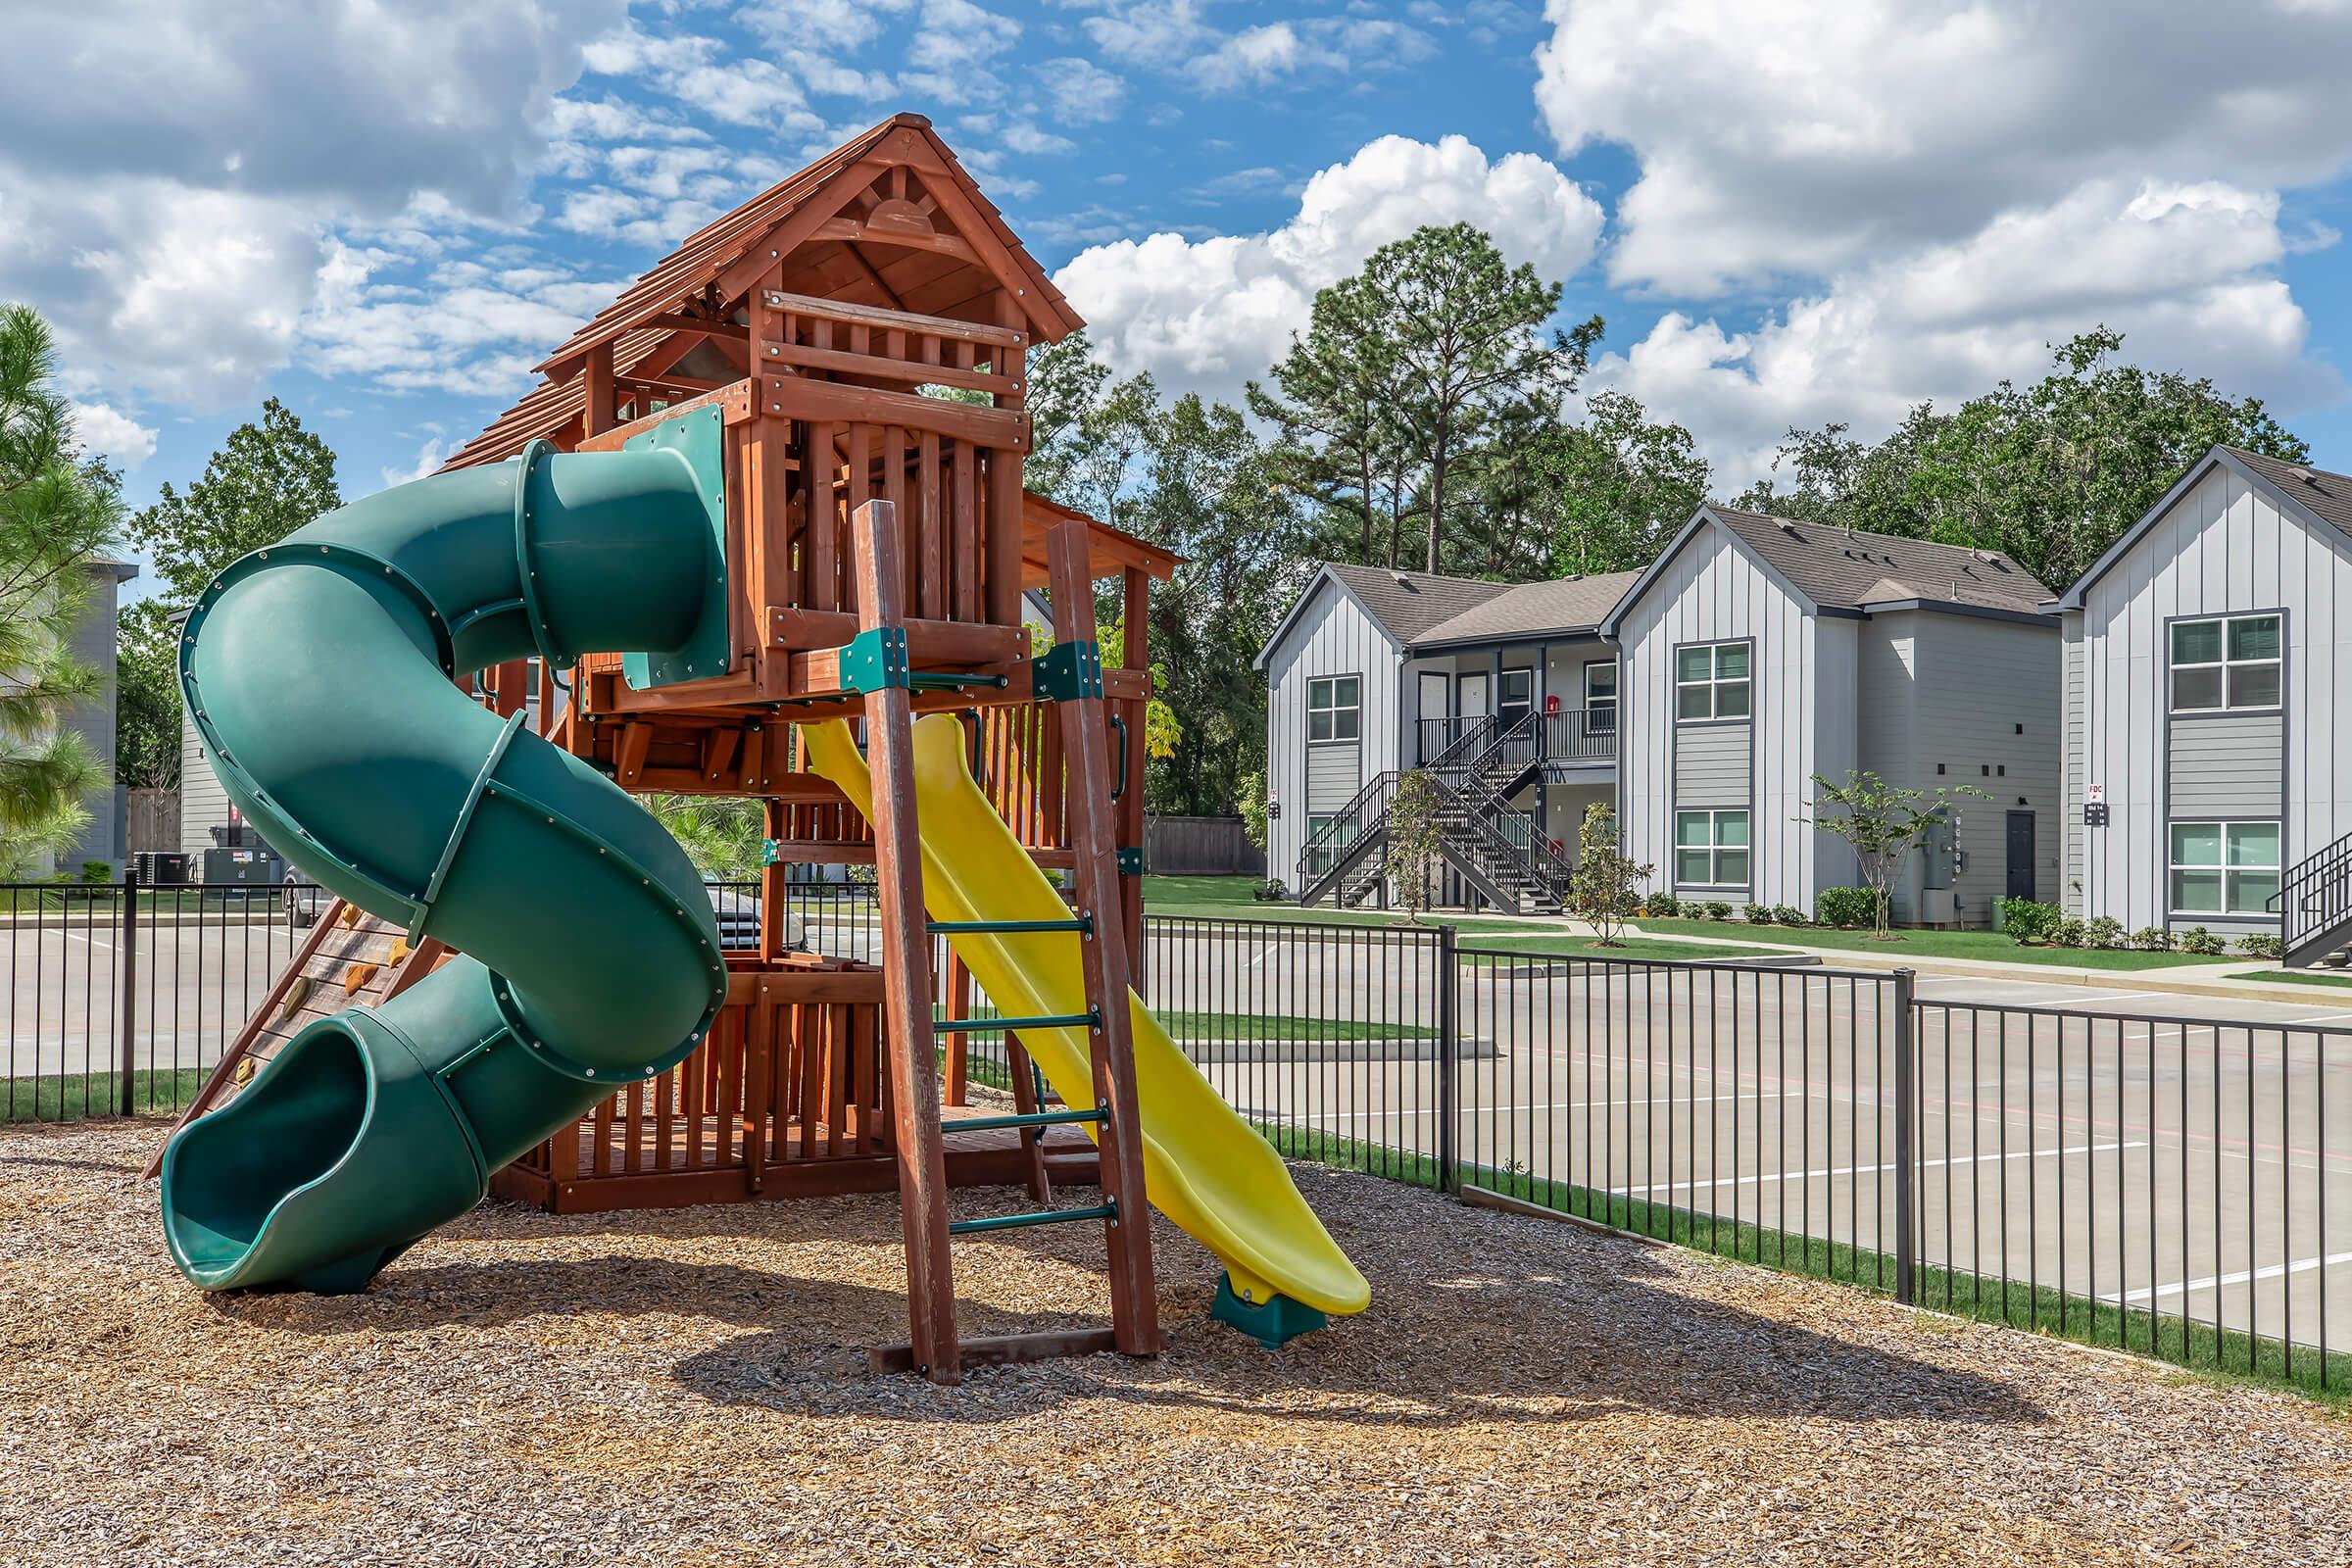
[(1134, 1299), (596, 391), (906, 969), (773, 927), (960, 1006)]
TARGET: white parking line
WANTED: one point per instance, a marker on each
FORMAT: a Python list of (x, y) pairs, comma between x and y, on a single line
[(1687, 1183), (2300, 1265)]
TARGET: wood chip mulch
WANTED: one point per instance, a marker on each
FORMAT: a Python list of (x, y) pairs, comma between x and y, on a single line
[(687, 1388)]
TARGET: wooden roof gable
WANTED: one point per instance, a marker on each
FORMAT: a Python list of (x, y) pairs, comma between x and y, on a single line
[(888, 218)]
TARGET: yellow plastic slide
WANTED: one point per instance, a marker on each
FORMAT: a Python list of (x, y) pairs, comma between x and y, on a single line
[(1202, 1166)]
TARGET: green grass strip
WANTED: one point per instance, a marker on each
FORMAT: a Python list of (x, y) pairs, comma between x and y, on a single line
[(70, 1096)]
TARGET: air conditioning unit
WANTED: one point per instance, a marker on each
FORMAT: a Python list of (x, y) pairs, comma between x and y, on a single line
[(1940, 906)]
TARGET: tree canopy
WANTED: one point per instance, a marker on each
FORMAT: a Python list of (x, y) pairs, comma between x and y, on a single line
[(269, 478)]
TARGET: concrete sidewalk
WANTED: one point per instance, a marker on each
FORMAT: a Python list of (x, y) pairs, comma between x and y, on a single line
[(2181, 979)]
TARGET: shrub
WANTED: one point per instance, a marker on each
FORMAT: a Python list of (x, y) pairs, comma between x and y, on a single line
[(1270, 891), (1662, 906), (2152, 939), (1757, 914), (2202, 943), (2104, 931), (1787, 914), (1846, 906), (2028, 921), (2067, 933), (2259, 945), (1717, 910)]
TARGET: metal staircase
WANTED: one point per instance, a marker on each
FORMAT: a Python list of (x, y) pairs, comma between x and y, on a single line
[(1495, 848), (2313, 903)]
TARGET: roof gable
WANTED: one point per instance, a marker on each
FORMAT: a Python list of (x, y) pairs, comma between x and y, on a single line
[(2316, 497), (890, 218)]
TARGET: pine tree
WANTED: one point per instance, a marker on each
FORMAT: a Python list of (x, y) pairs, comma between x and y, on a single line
[(58, 514)]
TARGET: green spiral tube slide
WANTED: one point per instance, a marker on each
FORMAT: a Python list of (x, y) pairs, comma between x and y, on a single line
[(318, 674)]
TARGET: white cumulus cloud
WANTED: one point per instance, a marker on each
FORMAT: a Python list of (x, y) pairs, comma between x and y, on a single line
[(103, 428), (1210, 312)]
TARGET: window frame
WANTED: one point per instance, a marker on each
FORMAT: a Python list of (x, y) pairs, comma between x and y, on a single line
[(1715, 681), (1333, 707), (1715, 849), (1502, 698), (2225, 665), (1321, 861), (2228, 870), (1593, 704)]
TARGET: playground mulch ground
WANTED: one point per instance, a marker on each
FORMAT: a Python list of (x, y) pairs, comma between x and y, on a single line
[(687, 1388)]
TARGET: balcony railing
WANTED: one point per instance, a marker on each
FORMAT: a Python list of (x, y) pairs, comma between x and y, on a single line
[(1570, 735)]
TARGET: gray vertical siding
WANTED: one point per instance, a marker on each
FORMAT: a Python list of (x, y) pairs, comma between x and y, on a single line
[(1989, 709), (1333, 637), (2222, 547), (1804, 712), (94, 645), (2070, 791)]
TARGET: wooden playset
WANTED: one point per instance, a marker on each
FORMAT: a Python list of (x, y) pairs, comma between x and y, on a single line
[(859, 332)]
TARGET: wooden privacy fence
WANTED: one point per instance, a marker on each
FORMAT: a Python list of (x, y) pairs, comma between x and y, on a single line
[(1201, 846)]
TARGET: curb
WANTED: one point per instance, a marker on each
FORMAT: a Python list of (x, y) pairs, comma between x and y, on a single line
[(2172, 980)]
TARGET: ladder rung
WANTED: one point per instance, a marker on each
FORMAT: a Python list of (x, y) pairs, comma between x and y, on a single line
[(1049, 1216), (954, 927), (1050, 1020), (1027, 1119)]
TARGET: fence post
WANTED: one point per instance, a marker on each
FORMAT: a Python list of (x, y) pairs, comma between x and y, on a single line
[(1905, 1132), (1450, 1055), (127, 1020)]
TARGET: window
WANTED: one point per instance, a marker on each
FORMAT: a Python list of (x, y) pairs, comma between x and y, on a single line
[(1710, 848), (1710, 681), (2225, 867), (1321, 853), (1601, 697), (1334, 708), (1517, 695), (2232, 662)]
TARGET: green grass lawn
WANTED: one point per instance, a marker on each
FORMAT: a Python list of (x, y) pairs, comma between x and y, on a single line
[(2294, 977), (1227, 898), (1991, 945), (78, 1095), (1567, 944)]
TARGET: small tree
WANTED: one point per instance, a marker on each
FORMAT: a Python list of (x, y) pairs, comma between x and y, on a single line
[(1606, 885), (1885, 823), (1414, 835)]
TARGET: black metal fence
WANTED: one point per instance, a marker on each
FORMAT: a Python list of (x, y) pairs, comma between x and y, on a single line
[(118, 996), (2172, 1186)]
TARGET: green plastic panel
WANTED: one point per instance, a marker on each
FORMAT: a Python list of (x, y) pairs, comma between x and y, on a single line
[(699, 435)]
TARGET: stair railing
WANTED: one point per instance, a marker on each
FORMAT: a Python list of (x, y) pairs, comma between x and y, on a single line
[(1352, 821), (2315, 896)]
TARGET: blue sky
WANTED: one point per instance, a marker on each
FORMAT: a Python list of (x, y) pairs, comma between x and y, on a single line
[(1788, 213)]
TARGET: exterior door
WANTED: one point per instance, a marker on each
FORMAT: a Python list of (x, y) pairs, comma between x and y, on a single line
[(2020, 855), (1437, 714), (1474, 696)]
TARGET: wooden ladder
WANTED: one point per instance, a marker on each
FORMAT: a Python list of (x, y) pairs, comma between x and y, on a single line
[(933, 1348)]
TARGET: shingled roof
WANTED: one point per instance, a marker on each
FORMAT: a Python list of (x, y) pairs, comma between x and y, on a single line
[(1409, 603), (1534, 609), (2328, 495), (1853, 568), (680, 280)]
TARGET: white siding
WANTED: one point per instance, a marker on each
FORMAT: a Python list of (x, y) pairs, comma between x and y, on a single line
[(203, 802), (1804, 706), (1333, 636), (2222, 547)]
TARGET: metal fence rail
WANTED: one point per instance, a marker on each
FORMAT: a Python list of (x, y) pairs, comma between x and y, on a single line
[(2176, 1186)]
